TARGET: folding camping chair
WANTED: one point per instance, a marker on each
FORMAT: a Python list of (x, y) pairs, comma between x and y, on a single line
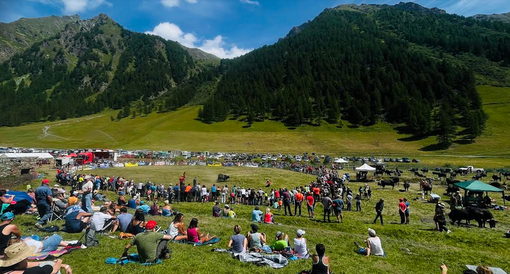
[(56, 213)]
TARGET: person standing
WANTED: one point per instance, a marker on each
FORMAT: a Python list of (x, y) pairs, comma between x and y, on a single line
[(44, 198), (440, 217), (298, 200), (338, 205), (327, 203), (358, 202), (402, 211), (286, 201), (86, 200), (379, 209), (310, 205), (407, 211)]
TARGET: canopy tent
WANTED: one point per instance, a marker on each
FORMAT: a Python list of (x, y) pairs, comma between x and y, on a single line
[(365, 167), (27, 155), (478, 186), (340, 161)]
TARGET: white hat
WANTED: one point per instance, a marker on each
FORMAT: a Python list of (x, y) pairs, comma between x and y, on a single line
[(300, 232)]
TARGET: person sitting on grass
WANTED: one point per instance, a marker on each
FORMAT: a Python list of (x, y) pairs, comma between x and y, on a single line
[(481, 269), (102, 220), (76, 219), (256, 214), (320, 262), (124, 219), (137, 225), (268, 217), (15, 262), (151, 246), (216, 210), (256, 240), (238, 242), (176, 228), (226, 211), (166, 211), (7, 230), (194, 234), (374, 246), (281, 243), (300, 247)]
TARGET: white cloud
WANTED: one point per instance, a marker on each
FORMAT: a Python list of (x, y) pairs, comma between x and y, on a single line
[(250, 2), (172, 32), (175, 3), (216, 46)]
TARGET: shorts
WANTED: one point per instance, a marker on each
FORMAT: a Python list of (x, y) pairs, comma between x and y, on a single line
[(51, 243), (310, 208), (337, 211)]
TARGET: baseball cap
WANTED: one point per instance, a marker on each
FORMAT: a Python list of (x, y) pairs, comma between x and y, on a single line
[(300, 232), (371, 232), (46, 181), (279, 234), (7, 216), (151, 224)]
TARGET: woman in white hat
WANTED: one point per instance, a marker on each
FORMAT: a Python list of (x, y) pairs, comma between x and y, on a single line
[(15, 262), (300, 247)]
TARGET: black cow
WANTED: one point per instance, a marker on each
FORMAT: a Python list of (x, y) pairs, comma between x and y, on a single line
[(496, 184), (424, 170), (472, 213), (406, 185), (223, 177), (388, 172), (385, 183), (496, 177)]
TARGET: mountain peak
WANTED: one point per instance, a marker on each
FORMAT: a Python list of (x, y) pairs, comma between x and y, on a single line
[(411, 6)]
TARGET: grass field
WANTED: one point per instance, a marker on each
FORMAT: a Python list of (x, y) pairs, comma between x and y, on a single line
[(465, 245), (179, 130)]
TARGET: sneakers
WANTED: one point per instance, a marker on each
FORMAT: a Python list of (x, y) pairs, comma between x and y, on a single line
[(448, 232), (39, 225)]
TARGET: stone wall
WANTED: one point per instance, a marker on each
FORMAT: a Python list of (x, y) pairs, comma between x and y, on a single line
[(14, 166)]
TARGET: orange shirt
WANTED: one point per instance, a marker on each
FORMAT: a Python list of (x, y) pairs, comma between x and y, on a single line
[(316, 190), (188, 188), (299, 197)]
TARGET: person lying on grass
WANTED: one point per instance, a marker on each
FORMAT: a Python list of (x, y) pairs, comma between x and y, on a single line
[(151, 246), (15, 262), (50, 243), (176, 229), (194, 234), (374, 246), (238, 242)]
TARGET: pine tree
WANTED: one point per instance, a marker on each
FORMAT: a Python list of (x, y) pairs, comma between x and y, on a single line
[(120, 115)]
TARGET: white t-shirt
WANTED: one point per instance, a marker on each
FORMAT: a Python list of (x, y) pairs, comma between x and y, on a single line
[(300, 248), (87, 187), (375, 246), (98, 220), (204, 191)]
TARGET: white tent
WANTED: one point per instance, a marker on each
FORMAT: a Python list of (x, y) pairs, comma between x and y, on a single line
[(27, 155), (340, 161), (365, 167)]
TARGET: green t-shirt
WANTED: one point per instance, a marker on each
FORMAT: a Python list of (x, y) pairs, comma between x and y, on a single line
[(280, 245), (147, 243)]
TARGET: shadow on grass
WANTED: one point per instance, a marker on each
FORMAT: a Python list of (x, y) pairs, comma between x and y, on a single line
[(464, 141), (435, 147)]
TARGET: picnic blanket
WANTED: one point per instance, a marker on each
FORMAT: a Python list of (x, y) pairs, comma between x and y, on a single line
[(212, 241), (275, 261), (495, 270), (50, 255), (20, 195), (131, 258)]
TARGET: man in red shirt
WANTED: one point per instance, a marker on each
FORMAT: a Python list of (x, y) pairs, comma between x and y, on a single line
[(298, 199), (402, 211), (316, 193), (310, 202)]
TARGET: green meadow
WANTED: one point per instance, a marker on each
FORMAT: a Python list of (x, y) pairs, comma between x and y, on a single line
[(414, 248), (179, 130)]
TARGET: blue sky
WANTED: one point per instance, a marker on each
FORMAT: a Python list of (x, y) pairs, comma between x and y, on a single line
[(226, 28)]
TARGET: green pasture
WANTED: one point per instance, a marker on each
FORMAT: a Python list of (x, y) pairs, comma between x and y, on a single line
[(429, 248), (179, 130)]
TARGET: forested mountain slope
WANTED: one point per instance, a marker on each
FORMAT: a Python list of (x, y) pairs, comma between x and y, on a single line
[(360, 63)]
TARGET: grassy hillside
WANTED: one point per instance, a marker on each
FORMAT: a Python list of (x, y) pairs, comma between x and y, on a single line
[(180, 130), (429, 248)]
